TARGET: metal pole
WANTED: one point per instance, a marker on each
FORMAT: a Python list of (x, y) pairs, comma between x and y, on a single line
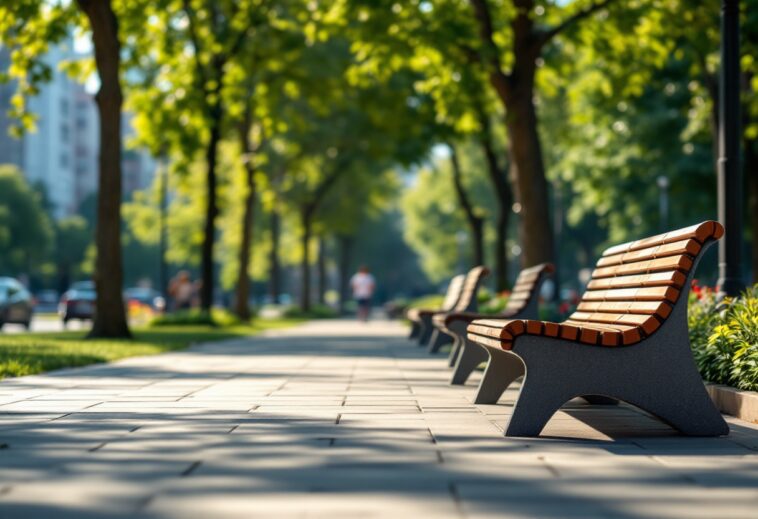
[(729, 173), (163, 269), (663, 202)]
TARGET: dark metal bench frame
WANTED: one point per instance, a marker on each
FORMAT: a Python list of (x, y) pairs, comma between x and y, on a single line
[(658, 375), (439, 337), (466, 355)]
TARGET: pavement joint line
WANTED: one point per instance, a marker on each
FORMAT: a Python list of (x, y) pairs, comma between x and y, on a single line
[(97, 447), (456, 496), (549, 467), (431, 435), (135, 428), (234, 427), (439, 456), (253, 409), (337, 421), (189, 470)]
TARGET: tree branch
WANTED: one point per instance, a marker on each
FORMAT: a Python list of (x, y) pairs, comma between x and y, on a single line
[(498, 78), (546, 35), (203, 78)]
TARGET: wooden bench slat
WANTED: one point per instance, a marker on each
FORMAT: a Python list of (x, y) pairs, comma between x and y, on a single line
[(633, 294), (683, 263), (700, 232), (658, 308), (666, 278), (690, 247)]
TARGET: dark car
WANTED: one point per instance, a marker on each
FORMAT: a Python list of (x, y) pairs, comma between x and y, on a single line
[(78, 302), (146, 297), (16, 305), (46, 301)]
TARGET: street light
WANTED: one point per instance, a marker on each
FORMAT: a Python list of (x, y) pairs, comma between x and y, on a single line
[(460, 239), (729, 174), (663, 202)]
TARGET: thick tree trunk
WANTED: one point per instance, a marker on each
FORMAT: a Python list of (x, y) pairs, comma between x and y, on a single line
[(274, 276), (211, 211), (110, 315), (322, 281), (242, 306), (500, 183), (346, 246), (751, 173), (516, 93), (475, 222), (536, 233), (305, 266)]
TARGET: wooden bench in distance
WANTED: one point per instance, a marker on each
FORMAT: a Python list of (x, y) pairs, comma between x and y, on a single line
[(628, 340), (466, 303), (522, 304), (421, 318)]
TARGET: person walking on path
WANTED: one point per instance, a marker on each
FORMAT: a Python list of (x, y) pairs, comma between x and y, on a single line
[(181, 289), (363, 286)]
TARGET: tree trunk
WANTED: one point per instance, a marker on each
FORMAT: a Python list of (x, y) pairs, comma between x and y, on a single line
[(516, 93), (346, 245), (305, 266), (475, 222), (322, 281), (211, 211), (242, 307), (536, 233), (751, 173), (110, 315), (274, 284), (500, 182)]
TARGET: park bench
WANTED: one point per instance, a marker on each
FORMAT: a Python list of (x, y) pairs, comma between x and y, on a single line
[(467, 302), (421, 318), (628, 340), (523, 303)]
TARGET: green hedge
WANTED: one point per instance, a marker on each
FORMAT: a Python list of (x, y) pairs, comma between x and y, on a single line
[(194, 317), (724, 337)]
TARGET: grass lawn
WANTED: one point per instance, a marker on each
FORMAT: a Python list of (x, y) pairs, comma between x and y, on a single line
[(30, 353)]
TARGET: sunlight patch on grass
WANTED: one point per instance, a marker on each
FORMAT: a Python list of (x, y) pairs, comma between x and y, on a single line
[(31, 353)]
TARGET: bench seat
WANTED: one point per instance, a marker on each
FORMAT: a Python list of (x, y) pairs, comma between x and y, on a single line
[(627, 340)]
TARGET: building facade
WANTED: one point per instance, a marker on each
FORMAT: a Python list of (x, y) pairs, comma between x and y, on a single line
[(61, 154)]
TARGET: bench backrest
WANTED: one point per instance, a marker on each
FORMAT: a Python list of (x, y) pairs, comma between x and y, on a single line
[(527, 286), (635, 285), (453, 292), (467, 302)]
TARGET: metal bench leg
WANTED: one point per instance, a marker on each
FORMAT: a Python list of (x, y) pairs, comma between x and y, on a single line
[(438, 340), (678, 397), (426, 329), (537, 402), (455, 352), (415, 330), (600, 400), (501, 371), (469, 358)]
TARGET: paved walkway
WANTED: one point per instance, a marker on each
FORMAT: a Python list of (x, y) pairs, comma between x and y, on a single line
[(338, 419)]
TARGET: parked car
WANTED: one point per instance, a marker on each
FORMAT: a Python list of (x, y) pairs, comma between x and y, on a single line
[(146, 297), (78, 302), (16, 304), (46, 301)]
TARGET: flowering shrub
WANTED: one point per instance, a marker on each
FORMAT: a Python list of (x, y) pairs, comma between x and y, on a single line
[(724, 337)]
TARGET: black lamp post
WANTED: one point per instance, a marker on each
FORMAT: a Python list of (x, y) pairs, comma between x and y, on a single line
[(729, 173)]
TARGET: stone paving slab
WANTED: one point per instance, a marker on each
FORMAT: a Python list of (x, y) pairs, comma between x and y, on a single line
[(339, 419)]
